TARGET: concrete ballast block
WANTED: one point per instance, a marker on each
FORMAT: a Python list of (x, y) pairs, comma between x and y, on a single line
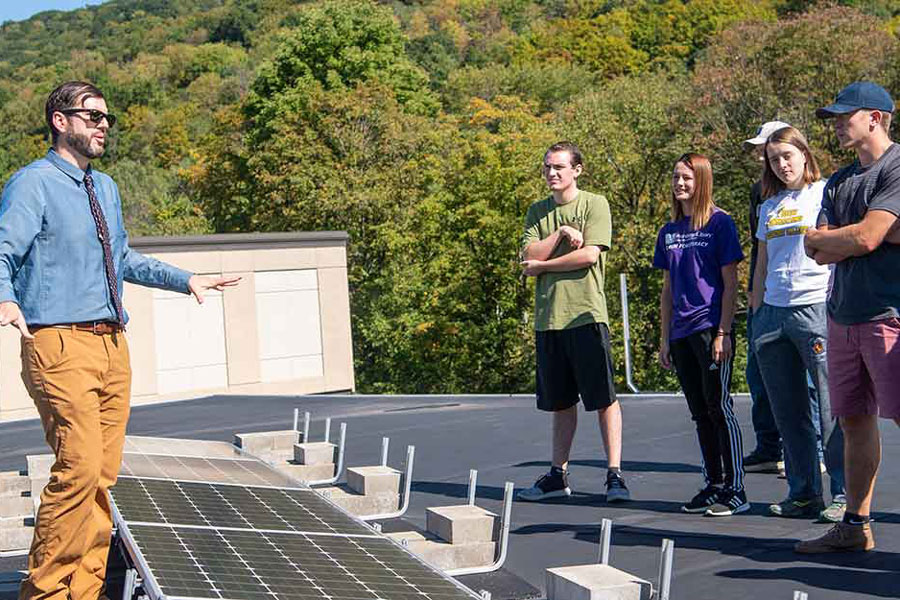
[(16, 506), (39, 465), (373, 480), (314, 453), (359, 505), (443, 555), (17, 521), (267, 442), (462, 524), (14, 484), (307, 472), (37, 486), (595, 582), (15, 538)]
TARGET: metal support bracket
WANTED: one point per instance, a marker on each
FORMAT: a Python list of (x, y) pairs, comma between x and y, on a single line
[(667, 556), (503, 542), (340, 463), (306, 418), (385, 445), (605, 538), (407, 490)]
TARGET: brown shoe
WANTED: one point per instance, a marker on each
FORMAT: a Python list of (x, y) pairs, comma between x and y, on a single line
[(840, 538)]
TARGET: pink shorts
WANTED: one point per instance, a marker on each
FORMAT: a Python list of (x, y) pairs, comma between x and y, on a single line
[(864, 368)]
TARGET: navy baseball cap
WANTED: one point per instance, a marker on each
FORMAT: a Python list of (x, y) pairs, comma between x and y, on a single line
[(857, 95)]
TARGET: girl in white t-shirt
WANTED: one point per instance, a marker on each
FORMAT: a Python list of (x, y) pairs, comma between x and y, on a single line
[(790, 328)]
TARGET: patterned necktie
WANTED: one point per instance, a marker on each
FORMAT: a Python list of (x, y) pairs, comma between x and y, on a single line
[(103, 234)]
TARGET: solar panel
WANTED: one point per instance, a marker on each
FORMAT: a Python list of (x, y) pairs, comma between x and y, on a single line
[(255, 565), (247, 471), (230, 506), (226, 526), (181, 447)]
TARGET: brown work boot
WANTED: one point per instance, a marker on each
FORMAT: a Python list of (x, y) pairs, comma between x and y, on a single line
[(840, 538)]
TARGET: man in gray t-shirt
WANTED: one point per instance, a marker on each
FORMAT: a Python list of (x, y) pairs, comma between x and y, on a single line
[(866, 288), (857, 233)]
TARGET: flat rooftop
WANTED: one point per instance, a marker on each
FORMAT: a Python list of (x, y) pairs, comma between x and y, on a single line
[(505, 438)]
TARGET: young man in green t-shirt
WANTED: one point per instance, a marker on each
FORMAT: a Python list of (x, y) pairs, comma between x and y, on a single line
[(566, 235)]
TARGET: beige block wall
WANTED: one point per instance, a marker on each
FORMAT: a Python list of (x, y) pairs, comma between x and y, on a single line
[(241, 255)]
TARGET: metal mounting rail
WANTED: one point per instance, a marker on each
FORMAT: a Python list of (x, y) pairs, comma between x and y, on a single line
[(502, 544), (626, 333), (131, 583), (340, 464), (148, 581), (407, 489), (385, 445)]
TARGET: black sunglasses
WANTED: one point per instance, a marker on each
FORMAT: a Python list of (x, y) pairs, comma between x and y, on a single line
[(94, 116)]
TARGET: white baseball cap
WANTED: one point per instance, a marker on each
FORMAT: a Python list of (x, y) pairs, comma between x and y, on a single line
[(765, 130)]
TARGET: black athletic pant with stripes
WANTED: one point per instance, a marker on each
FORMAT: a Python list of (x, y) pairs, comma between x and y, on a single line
[(707, 386)]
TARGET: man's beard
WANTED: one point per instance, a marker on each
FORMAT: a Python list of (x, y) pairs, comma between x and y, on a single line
[(81, 143)]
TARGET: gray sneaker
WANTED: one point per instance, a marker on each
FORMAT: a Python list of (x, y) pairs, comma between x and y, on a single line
[(616, 490), (834, 512)]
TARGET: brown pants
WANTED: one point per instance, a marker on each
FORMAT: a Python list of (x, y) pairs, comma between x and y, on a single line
[(81, 385)]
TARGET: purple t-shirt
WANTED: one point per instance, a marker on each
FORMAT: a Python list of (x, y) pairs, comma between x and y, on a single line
[(694, 260)]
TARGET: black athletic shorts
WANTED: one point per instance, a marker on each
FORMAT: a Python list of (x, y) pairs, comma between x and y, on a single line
[(573, 362)]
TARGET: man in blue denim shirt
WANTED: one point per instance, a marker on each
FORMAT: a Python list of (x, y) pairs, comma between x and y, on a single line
[(63, 258)]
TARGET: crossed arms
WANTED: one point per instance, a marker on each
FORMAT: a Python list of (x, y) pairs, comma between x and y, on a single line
[(536, 255), (827, 245)]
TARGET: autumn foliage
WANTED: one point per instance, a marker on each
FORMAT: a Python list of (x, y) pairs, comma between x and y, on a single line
[(419, 126)]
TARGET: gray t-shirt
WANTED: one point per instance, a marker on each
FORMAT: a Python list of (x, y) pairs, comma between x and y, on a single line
[(866, 288)]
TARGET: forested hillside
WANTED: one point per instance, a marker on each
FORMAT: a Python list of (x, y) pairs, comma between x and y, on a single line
[(418, 127)]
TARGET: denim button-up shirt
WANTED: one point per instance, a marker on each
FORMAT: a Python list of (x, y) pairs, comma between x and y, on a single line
[(51, 260)]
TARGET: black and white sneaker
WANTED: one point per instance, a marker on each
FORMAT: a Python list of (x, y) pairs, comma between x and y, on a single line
[(728, 502), (553, 484), (703, 500), (616, 490)]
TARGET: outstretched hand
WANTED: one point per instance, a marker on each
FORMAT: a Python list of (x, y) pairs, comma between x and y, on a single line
[(199, 284), (11, 314)]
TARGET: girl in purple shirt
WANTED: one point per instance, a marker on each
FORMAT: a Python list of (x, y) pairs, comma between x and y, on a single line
[(698, 252)]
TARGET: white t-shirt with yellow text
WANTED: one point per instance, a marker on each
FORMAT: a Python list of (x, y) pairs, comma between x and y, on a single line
[(792, 278)]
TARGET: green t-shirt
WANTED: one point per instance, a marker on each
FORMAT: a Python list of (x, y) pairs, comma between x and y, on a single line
[(573, 298)]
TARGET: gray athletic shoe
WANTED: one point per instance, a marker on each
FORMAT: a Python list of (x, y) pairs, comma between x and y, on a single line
[(616, 490), (834, 512)]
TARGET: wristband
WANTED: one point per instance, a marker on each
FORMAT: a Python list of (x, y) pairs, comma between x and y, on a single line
[(722, 333)]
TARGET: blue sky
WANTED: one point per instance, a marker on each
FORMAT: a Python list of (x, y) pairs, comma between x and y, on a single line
[(18, 11)]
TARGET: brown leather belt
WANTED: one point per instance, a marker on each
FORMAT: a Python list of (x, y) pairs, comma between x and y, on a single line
[(95, 327)]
